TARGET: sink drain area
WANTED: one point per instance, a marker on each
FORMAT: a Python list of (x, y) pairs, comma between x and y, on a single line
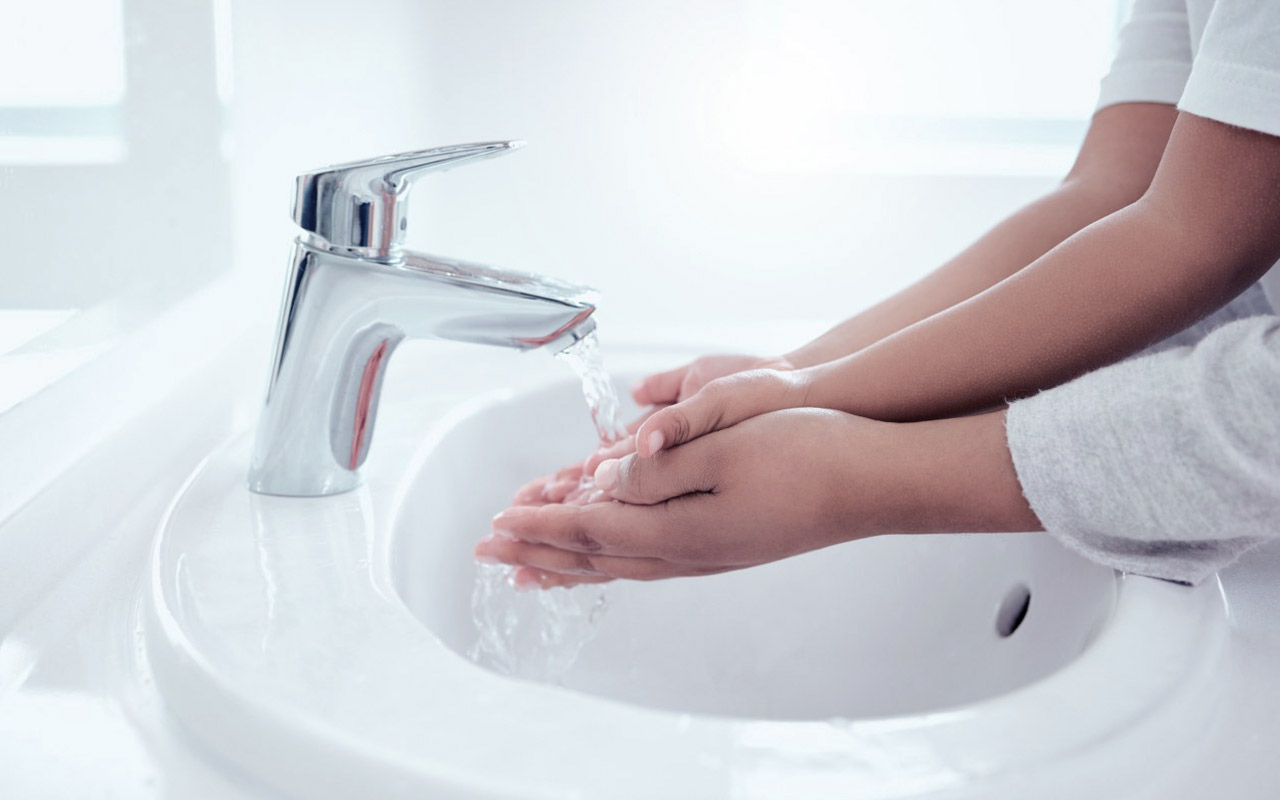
[(1013, 610)]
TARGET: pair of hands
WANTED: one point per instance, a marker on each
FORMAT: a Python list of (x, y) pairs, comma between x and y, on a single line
[(737, 472), (709, 482)]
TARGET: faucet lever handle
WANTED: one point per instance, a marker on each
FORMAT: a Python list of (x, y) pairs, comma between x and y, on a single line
[(362, 204)]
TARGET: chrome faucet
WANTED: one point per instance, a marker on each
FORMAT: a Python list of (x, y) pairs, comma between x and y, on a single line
[(354, 293)]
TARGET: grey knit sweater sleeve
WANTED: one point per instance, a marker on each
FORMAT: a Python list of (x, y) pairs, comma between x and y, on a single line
[(1167, 464)]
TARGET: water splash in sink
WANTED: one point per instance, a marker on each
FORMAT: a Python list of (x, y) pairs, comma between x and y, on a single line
[(539, 634)]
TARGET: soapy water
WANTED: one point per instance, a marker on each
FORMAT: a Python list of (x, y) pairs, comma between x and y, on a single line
[(539, 634)]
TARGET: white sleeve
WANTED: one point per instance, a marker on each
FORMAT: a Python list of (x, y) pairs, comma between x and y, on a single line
[(1166, 465), (1153, 58), (1236, 76)]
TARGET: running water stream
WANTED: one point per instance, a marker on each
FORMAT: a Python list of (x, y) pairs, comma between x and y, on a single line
[(538, 634)]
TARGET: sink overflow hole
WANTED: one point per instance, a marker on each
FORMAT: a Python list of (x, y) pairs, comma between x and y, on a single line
[(1013, 610)]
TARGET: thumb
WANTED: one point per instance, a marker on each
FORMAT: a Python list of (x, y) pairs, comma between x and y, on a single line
[(649, 481), (720, 404), (618, 449)]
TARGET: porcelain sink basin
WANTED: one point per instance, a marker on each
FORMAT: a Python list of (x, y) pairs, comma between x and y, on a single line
[(892, 625), (318, 644)]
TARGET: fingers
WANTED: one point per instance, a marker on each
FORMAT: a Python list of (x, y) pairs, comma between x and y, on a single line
[(549, 488), (659, 389), (596, 528), (566, 485), (720, 404), (571, 564), (646, 481), (527, 577)]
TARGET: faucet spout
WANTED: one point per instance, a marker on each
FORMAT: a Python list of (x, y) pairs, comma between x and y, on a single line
[(579, 329), (354, 293), (341, 321)]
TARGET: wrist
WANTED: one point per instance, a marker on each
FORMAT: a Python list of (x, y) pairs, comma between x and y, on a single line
[(783, 363), (940, 476), (875, 487), (966, 472), (833, 385)]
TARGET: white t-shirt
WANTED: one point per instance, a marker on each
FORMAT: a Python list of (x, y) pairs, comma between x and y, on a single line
[(1218, 59)]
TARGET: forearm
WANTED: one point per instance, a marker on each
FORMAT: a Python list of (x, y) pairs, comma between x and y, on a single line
[(1008, 247), (937, 476), (1108, 292), (1117, 160), (1203, 234)]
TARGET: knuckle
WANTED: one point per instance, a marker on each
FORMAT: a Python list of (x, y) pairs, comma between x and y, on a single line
[(720, 394), (581, 540), (678, 424), (716, 390), (631, 480)]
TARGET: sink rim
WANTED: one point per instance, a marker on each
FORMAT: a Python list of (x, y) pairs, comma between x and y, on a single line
[(220, 699)]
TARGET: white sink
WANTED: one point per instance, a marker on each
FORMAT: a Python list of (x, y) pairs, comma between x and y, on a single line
[(894, 625), (316, 642)]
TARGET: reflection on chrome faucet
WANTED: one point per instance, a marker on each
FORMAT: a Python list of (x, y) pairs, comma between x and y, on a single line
[(354, 293)]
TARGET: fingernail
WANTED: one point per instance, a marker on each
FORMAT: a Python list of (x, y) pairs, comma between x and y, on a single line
[(487, 560), (521, 581), (501, 524), (607, 473), (655, 442)]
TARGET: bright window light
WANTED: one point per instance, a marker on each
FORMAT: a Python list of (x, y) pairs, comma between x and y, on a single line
[(919, 85), (60, 53), (62, 79)]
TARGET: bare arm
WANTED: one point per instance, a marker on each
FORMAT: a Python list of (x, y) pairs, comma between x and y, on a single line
[(1115, 166), (1204, 231)]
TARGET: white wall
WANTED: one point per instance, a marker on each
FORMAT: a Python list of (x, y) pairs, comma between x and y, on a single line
[(635, 178), (315, 83), (694, 159), (136, 229)]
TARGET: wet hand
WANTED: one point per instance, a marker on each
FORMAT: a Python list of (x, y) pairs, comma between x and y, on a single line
[(659, 389), (773, 486), (567, 485), (721, 404)]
